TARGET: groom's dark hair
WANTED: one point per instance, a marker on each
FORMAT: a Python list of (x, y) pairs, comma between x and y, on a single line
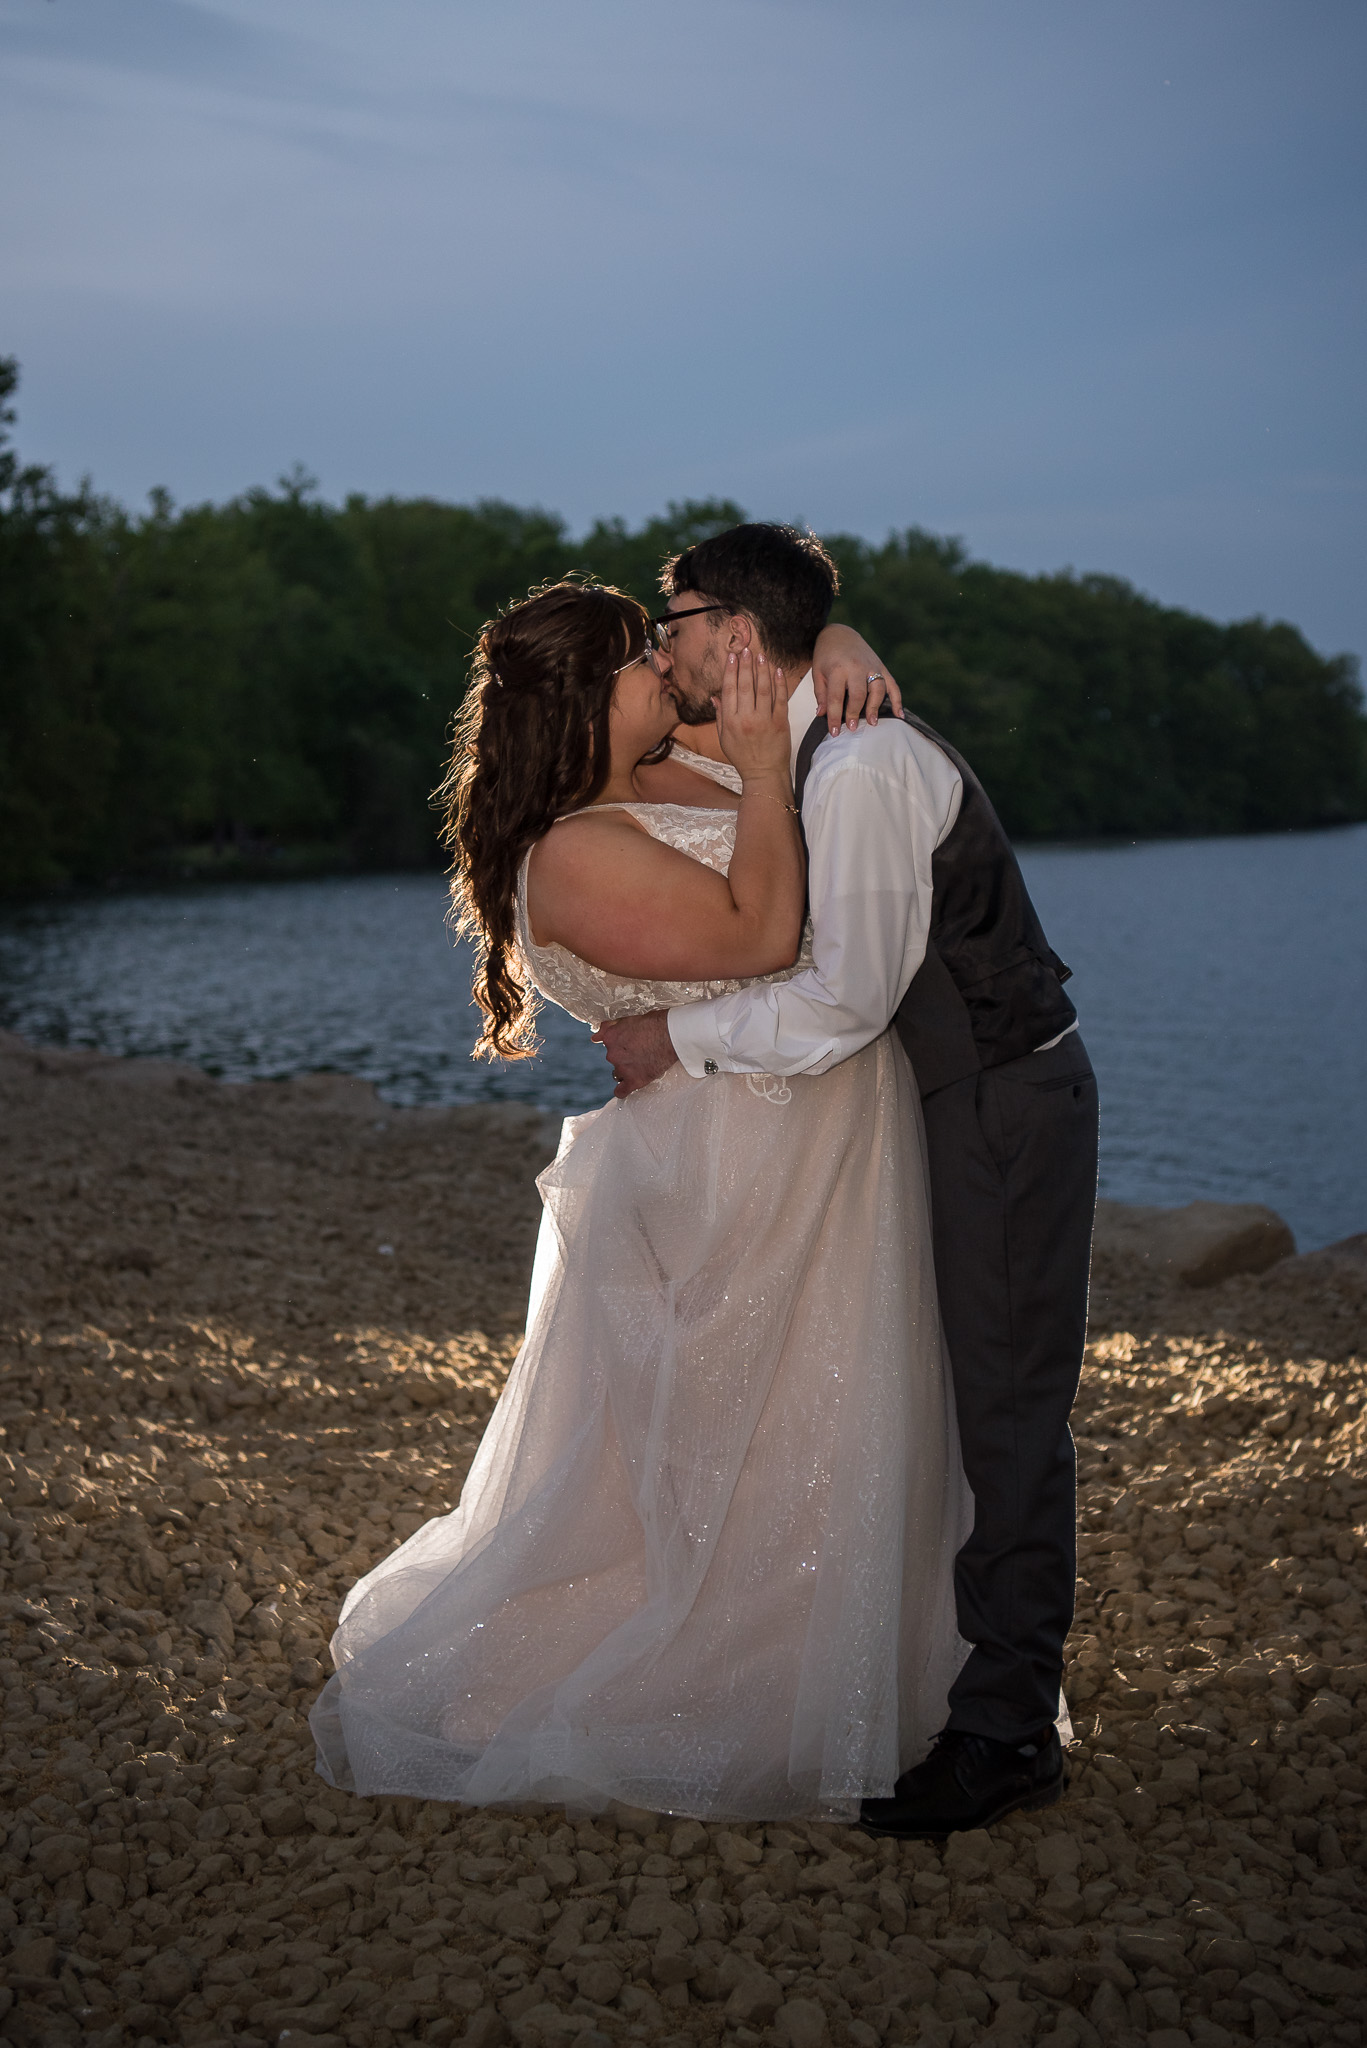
[(780, 576)]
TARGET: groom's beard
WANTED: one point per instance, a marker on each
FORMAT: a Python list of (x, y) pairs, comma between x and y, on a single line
[(695, 714), (695, 696)]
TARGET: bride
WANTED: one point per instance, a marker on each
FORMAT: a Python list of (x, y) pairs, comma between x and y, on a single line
[(702, 1563)]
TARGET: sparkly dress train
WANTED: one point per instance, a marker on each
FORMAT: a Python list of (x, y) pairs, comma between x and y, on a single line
[(703, 1560)]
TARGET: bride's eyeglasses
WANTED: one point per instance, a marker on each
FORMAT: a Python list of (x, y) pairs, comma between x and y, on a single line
[(653, 648)]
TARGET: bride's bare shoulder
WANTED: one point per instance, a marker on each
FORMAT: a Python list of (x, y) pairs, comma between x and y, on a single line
[(584, 837), (577, 860)]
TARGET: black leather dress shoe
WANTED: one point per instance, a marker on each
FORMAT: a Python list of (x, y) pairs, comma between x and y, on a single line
[(968, 1781)]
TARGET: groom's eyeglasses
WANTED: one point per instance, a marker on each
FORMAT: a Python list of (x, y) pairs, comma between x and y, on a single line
[(658, 639), (668, 619)]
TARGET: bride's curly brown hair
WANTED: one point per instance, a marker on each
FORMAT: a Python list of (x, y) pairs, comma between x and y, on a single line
[(529, 743)]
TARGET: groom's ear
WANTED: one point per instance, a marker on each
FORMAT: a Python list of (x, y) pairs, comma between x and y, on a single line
[(738, 633)]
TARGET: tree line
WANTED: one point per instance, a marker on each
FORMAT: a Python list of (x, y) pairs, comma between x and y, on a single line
[(267, 684)]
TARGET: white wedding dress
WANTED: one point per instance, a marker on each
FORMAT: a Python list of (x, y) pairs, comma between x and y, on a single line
[(703, 1560)]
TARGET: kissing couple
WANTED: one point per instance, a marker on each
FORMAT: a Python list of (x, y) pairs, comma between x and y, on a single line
[(776, 1514)]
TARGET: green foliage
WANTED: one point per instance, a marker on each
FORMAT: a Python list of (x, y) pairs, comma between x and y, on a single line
[(56, 743), (271, 680), (1087, 709)]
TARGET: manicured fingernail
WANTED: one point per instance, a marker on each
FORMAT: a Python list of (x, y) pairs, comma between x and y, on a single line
[(853, 723)]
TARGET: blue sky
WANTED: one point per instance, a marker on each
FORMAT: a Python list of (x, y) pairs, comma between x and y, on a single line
[(1080, 280)]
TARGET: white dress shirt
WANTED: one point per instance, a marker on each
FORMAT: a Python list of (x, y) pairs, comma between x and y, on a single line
[(877, 804)]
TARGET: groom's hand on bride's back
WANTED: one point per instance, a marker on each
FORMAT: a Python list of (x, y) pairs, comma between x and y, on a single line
[(639, 1050)]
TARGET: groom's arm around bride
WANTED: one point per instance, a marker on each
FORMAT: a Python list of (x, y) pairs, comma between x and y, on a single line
[(920, 918)]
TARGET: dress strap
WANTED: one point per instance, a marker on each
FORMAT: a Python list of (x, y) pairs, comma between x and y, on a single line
[(586, 808), (704, 765)]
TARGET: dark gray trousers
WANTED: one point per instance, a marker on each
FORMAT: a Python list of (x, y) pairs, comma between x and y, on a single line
[(1013, 1166)]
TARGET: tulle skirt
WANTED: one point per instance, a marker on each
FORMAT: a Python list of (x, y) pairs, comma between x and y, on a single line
[(703, 1560)]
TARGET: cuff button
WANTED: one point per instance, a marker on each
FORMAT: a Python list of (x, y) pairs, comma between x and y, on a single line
[(710, 1067)]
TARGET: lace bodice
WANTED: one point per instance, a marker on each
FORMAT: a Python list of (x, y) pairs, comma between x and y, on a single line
[(591, 993)]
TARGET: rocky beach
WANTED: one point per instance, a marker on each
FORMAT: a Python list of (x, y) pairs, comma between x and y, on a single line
[(249, 1337)]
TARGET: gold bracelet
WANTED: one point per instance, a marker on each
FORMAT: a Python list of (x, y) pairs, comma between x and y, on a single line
[(790, 808)]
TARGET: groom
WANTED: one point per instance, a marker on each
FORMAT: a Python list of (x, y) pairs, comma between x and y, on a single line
[(920, 918)]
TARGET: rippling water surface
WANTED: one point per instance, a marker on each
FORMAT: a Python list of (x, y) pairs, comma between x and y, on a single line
[(1222, 986)]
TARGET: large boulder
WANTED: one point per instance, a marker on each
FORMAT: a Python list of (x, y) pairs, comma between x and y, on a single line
[(1351, 1251), (1199, 1244)]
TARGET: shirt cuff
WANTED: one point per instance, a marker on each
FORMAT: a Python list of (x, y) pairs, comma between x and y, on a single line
[(696, 1041)]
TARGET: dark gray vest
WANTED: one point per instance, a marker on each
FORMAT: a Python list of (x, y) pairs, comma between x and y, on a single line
[(990, 988)]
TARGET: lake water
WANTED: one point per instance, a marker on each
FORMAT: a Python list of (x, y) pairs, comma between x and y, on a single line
[(1221, 984)]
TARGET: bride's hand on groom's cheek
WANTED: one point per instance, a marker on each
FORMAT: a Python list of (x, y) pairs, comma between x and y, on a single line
[(639, 1050)]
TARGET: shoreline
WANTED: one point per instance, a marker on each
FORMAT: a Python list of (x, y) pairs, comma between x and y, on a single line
[(13, 1045), (303, 864), (249, 1336)]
